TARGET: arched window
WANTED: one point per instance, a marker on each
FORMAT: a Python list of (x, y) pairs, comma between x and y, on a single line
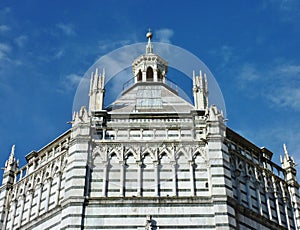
[(159, 75), (149, 74), (139, 76)]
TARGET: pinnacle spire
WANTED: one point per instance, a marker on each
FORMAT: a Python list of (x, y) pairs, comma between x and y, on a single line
[(287, 159), (11, 163), (12, 154), (149, 47), (200, 90), (286, 153), (97, 85)]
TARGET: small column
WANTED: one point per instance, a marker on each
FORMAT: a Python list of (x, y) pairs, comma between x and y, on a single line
[(139, 179), (144, 76), (21, 174), (103, 134), (122, 178), (49, 183), (116, 134), (39, 188), (174, 177), (14, 209), (34, 165), (257, 189), (155, 75), (105, 174), (247, 179), (276, 201), (30, 194), (22, 198), (267, 195), (156, 178), (285, 200), (135, 79), (237, 174), (57, 193), (192, 177)]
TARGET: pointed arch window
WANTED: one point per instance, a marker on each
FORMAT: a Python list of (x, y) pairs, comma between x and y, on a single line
[(139, 76), (149, 74), (159, 75)]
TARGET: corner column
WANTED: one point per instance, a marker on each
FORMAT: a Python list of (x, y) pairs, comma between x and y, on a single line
[(192, 178)]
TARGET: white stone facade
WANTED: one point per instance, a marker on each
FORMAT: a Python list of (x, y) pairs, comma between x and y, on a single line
[(150, 161)]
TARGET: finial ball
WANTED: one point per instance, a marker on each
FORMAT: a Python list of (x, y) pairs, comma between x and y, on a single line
[(149, 35)]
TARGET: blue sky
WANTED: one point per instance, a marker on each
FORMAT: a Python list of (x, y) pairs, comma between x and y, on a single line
[(251, 47)]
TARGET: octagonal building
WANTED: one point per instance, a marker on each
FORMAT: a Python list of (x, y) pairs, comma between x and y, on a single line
[(151, 160)]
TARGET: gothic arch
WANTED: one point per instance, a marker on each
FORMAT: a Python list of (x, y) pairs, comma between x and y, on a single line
[(55, 168), (180, 152), (99, 151), (96, 155), (148, 152), (149, 74), (165, 150), (139, 75), (199, 152), (96, 151), (114, 153), (163, 153), (130, 152)]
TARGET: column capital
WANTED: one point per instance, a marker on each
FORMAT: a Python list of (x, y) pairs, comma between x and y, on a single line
[(192, 162), (155, 163), (123, 163), (173, 163), (139, 163)]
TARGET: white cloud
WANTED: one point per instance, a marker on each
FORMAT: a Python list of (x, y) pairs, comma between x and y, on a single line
[(67, 29), (246, 75), (286, 96), (284, 89), (70, 82), (21, 40), (288, 70), (106, 45), (164, 35), (4, 11), (225, 53), (73, 79), (279, 84), (287, 5), (287, 10), (59, 54), (4, 28), (249, 73), (4, 52)]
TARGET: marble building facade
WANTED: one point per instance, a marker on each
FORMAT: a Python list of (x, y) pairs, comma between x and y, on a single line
[(150, 161)]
